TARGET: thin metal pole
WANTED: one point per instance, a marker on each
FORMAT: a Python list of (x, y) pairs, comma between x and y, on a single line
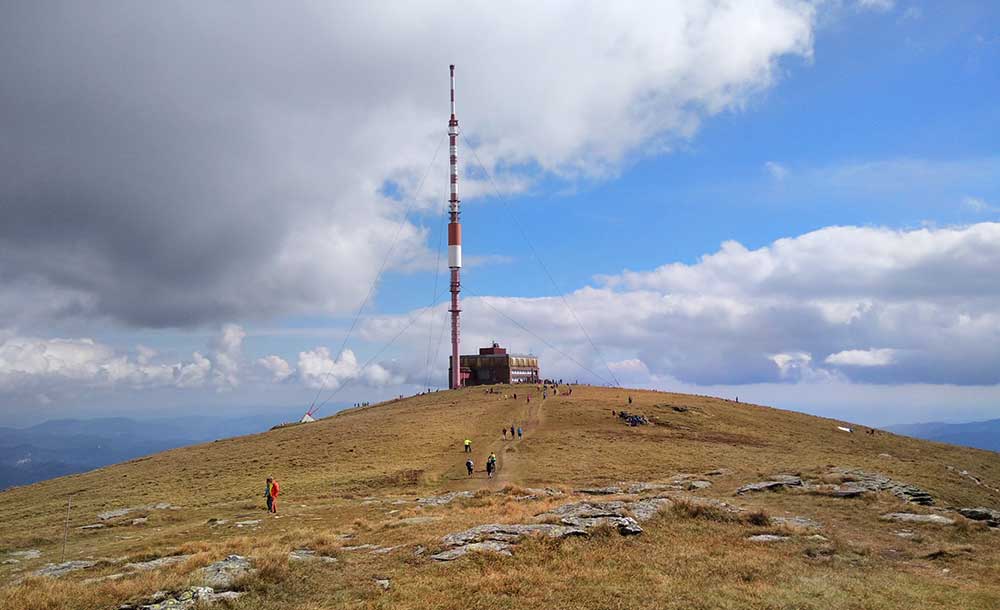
[(69, 505)]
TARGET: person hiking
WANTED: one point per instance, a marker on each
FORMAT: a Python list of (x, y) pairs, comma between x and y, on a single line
[(468, 446), (505, 433), (512, 432), (519, 433), (491, 465), (469, 466), (271, 494), (629, 400)]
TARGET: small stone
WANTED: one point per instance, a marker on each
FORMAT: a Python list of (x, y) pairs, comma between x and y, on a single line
[(92, 526), (140, 521), (767, 538), (699, 484), (248, 523), (383, 583)]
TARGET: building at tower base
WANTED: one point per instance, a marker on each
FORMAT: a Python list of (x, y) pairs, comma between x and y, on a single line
[(494, 365)]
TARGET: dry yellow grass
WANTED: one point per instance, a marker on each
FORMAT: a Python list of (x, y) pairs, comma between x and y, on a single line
[(343, 475)]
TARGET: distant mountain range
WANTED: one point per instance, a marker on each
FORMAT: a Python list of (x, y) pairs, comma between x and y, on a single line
[(980, 434), (66, 446)]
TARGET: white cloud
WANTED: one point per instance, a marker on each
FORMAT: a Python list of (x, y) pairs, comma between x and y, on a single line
[(863, 357), (277, 366), (776, 170), (27, 362), (226, 359), (319, 370)]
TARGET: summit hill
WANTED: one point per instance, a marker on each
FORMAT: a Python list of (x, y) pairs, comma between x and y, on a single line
[(711, 504)]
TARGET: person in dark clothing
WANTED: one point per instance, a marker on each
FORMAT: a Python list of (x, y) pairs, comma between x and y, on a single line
[(512, 427), (469, 466)]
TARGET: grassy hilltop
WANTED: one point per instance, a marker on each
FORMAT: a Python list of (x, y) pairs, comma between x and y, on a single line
[(353, 479)]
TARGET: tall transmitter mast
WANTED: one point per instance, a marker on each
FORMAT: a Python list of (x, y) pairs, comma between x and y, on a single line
[(454, 241)]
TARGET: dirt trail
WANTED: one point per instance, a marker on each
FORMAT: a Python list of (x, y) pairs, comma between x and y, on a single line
[(530, 417)]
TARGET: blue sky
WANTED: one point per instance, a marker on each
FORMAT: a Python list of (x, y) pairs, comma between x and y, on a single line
[(773, 121)]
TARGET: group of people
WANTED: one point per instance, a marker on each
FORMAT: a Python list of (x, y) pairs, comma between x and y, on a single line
[(520, 432), (491, 465)]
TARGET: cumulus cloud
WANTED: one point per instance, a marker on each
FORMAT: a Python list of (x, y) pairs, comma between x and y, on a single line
[(318, 369), (277, 366), (859, 304), (31, 362), (863, 357), (171, 168)]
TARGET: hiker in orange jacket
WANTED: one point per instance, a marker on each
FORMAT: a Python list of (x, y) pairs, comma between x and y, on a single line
[(271, 493)]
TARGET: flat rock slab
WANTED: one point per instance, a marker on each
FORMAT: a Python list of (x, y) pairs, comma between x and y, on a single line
[(310, 555), (443, 499), (155, 564), (25, 554), (803, 522), (248, 523), (602, 491), (915, 518), (488, 546), (55, 570), (777, 482), (767, 538), (222, 575)]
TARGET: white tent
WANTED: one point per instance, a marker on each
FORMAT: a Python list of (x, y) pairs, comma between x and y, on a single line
[(306, 419)]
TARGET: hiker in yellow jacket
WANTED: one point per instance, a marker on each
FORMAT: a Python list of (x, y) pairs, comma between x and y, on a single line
[(468, 446)]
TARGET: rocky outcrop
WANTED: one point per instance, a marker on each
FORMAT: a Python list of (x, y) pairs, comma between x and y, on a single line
[(498, 538), (988, 515), (875, 481), (777, 482), (587, 515), (916, 518), (183, 600), (223, 575)]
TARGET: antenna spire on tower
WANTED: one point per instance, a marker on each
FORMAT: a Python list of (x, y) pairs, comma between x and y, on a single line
[(454, 242)]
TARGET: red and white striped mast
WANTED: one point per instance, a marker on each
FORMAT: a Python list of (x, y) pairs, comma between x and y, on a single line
[(454, 241)]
